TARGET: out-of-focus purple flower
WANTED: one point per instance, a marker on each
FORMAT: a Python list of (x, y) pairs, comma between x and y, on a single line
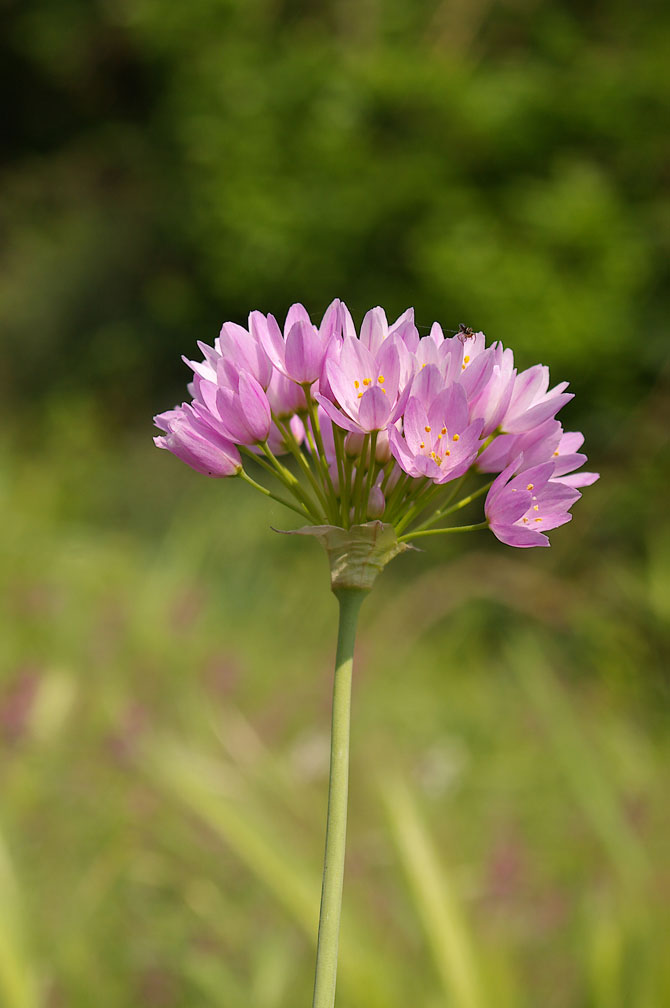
[(519, 509), (197, 443), (439, 442)]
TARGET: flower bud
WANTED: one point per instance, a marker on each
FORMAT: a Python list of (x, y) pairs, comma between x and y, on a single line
[(395, 475), (383, 448), (376, 503), (353, 444)]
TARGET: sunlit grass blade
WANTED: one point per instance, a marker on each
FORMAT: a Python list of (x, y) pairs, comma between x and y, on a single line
[(435, 900), (17, 981), (588, 781), (220, 797)]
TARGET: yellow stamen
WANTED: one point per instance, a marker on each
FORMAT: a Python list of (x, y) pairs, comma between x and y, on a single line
[(443, 431), (466, 360), (530, 486), (357, 384), (367, 381), (422, 445), (538, 519), (381, 379), (360, 395), (427, 430), (536, 507), (456, 437), (447, 452), (555, 454)]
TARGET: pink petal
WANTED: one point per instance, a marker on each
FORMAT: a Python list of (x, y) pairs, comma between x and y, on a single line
[(337, 417), (304, 353), (414, 423), (373, 409), (374, 329), (255, 407), (267, 330), (296, 313)]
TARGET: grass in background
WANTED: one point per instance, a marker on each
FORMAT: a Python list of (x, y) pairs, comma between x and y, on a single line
[(164, 698)]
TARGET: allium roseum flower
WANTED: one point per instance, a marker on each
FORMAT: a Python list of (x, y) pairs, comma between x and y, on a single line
[(376, 438), (381, 425), (520, 508), (199, 444)]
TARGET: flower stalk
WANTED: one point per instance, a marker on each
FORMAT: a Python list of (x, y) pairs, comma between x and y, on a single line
[(350, 601)]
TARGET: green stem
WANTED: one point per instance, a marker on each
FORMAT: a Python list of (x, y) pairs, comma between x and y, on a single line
[(444, 511), (294, 449), (358, 482), (396, 496), (298, 508), (453, 528), (425, 495), (320, 454), (372, 472), (350, 600), (338, 438)]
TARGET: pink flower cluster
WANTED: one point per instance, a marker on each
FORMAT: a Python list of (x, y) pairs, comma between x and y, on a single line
[(380, 421)]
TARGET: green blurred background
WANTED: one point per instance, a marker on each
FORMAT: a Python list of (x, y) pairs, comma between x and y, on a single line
[(165, 659)]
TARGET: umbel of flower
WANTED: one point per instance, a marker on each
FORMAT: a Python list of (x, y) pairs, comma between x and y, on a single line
[(376, 438), (379, 425)]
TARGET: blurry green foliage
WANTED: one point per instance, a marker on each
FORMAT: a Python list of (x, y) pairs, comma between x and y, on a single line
[(174, 165), (165, 667)]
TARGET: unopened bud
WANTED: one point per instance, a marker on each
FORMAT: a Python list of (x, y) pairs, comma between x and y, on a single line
[(353, 444), (376, 503), (391, 482), (383, 448)]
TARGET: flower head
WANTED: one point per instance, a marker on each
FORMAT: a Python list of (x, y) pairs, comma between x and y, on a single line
[(380, 424)]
